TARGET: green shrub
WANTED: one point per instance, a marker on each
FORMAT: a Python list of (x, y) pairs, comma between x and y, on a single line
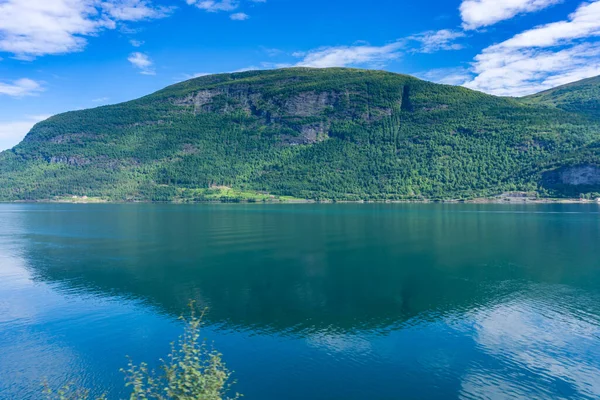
[(192, 371)]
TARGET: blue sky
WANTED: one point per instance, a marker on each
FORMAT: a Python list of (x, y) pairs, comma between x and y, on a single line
[(61, 55)]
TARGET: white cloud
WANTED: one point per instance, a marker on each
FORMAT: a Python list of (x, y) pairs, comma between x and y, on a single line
[(343, 56), (136, 43), (20, 87), (584, 22), (101, 100), (36, 27), (239, 16), (543, 57), (215, 5), (479, 13), (33, 28), (509, 72), (134, 10), (222, 5), (364, 54), (12, 132), (433, 41), (142, 62)]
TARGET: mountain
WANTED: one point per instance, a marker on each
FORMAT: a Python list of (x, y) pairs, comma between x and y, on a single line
[(581, 97), (339, 134)]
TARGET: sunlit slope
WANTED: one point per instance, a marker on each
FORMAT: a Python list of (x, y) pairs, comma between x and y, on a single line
[(581, 97), (342, 134)]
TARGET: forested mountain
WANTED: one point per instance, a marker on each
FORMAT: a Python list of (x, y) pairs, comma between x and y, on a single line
[(580, 97), (338, 134)]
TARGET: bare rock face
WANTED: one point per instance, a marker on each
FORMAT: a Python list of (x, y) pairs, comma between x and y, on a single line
[(197, 99), (309, 134), (204, 100), (309, 104), (274, 110), (581, 175), (204, 97)]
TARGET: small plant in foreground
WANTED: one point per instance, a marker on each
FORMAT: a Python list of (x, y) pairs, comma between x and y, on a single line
[(192, 371)]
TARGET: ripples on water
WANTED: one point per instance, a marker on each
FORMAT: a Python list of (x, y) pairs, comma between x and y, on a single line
[(319, 302)]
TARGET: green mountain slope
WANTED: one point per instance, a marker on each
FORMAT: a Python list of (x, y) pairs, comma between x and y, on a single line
[(581, 97), (340, 134)]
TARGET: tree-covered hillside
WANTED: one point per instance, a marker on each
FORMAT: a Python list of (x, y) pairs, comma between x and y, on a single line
[(580, 97), (339, 134)]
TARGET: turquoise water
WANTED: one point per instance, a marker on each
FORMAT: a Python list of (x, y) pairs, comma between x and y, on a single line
[(308, 301)]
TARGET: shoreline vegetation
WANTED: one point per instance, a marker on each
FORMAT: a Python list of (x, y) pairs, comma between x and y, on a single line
[(261, 198), (192, 370), (225, 194)]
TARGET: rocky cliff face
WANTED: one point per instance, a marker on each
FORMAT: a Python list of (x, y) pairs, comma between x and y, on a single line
[(232, 98), (308, 113), (580, 176)]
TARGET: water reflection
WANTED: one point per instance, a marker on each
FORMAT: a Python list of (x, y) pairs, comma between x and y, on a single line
[(363, 301), (559, 350), (294, 270)]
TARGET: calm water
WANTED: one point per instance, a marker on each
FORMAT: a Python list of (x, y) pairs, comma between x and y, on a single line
[(308, 301)]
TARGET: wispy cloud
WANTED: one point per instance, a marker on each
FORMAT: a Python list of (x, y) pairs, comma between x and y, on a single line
[(239, 16), (34, 28), (343, 56), (136, 43), (480, 13), (543, 57), (215, 5), (512, 72), (583, 23), (20, 87), (134, 10), (142, 62), (364, 54), (434, 41)]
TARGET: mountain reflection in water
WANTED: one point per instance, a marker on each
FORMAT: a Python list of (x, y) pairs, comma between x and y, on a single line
[(363, 301)]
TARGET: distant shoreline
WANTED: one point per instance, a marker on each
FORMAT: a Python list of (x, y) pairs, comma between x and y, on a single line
[(507, 201)]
